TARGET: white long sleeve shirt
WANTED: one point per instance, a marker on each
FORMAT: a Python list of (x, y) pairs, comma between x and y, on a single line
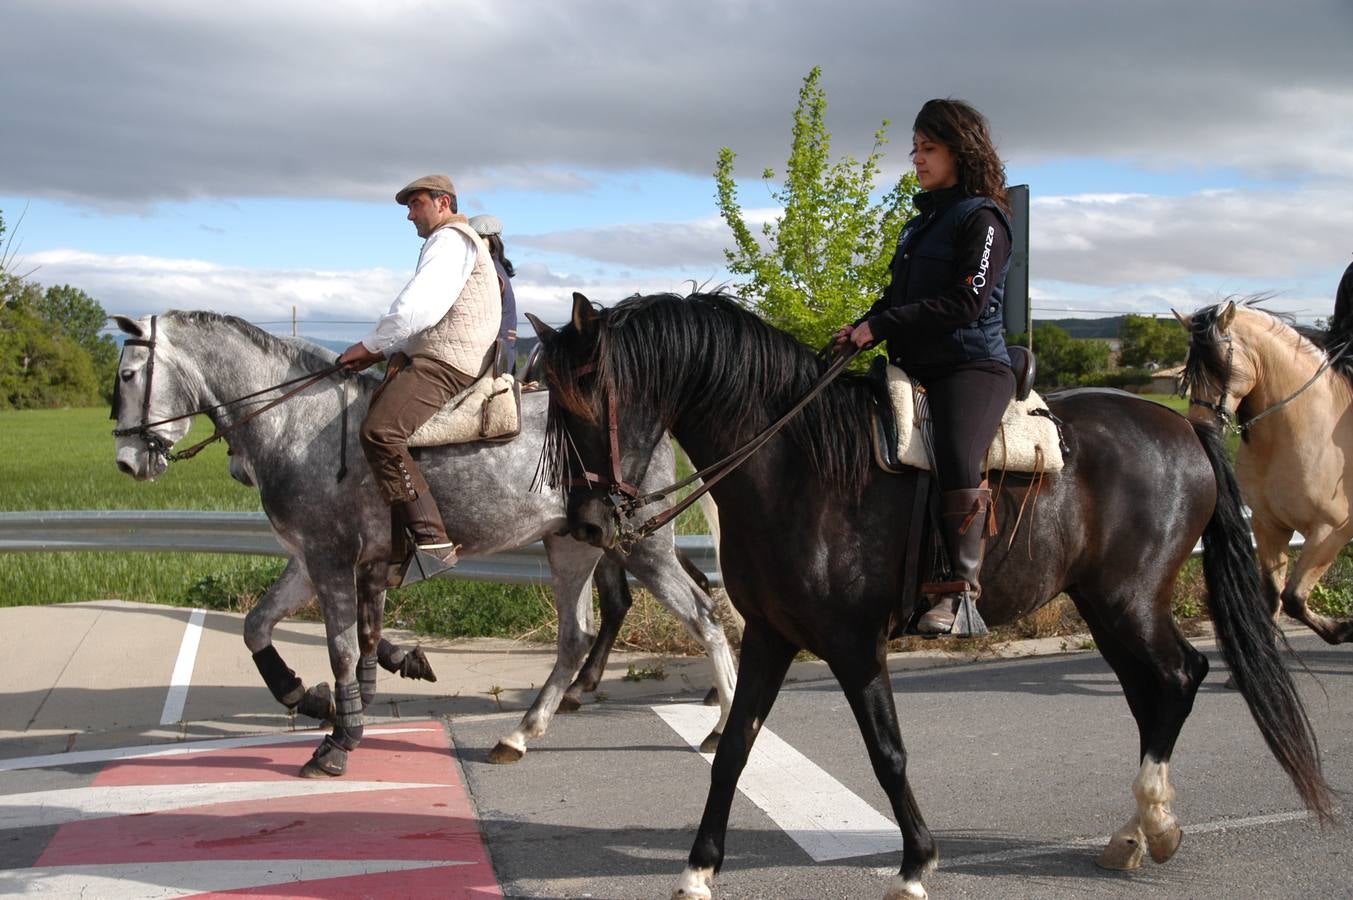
[(444, 266)]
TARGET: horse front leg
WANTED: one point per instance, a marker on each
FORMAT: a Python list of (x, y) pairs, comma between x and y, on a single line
[(864, 679), (1318, 553), (284, 597), (338, 599), (765, 660), (571, 565)]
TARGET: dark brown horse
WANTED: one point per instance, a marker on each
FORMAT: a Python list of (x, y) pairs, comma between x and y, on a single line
[(814, 538)]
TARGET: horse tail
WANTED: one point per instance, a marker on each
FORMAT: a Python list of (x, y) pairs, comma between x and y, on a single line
[(1249, 636)]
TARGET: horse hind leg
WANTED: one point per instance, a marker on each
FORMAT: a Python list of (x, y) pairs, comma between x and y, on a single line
[(615, 600), (1160, 674), (571, 565)]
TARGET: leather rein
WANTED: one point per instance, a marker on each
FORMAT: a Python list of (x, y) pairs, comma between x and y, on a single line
[(625, 498), (1230, 421), (157, 444)]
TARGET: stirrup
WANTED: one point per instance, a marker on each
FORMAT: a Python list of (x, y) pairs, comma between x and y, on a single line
[(427, 562), (967, 620)]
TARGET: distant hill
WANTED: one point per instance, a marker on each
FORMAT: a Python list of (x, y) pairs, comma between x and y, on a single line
[(1086, 328)]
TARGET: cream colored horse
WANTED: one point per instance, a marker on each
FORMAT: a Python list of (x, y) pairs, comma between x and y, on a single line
[(1249, 368)]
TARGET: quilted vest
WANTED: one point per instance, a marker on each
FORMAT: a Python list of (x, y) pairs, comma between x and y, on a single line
[(463, 336), (930, 247)]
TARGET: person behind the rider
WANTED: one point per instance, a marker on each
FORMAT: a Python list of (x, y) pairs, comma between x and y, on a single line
[(1341, 323), (438, 336), (491, 230), (941, 317)]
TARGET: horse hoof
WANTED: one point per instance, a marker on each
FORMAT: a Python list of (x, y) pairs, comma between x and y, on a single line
[(569, 703), (1122, 853), (328, 761), (1164, 845), (318, 703), (505, 753), (710, 743), (712, 698), (905, 889), (1231, 683), (694, 885)]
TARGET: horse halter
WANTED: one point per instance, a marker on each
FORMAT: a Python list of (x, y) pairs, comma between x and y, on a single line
[(154, 442), (1225, 418)]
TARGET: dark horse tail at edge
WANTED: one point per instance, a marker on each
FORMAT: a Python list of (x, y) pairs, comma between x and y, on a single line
[(1248, 636)]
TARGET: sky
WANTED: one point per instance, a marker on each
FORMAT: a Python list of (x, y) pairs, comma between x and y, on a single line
[(243, 157)]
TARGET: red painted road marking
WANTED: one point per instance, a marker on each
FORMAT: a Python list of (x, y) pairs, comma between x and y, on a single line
[(420, 837)]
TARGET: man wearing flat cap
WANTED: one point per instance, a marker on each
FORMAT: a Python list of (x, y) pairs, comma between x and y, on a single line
[(438, 335)]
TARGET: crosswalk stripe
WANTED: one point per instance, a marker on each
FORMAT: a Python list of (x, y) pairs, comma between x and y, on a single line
[(813, 808), (183, 669)]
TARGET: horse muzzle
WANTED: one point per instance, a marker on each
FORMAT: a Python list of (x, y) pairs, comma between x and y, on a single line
[(140, 463)]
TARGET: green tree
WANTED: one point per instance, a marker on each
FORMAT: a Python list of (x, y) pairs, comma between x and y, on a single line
[(1148, 342), (78, 316), (1064, 360), (40, 368), (824, 260)]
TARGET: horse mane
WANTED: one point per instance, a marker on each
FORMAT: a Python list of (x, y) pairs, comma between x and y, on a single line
[(305, 354), (722, 364), (1207, 357)]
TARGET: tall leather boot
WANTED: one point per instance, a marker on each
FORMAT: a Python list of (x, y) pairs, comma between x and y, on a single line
[(432, 552), (964, 516)]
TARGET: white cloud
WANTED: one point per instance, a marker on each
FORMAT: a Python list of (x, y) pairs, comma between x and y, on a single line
[(147, 101)]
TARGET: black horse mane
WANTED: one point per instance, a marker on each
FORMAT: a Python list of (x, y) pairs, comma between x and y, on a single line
[(303, 353), (722, 365), (1207, 358)]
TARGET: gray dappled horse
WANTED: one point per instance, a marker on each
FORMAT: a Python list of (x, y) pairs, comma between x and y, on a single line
[(338, 533)]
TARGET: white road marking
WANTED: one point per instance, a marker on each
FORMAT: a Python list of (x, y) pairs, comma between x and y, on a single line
[(184, 748), (813, 808), (999, 856), (41, 809), (183, 669), (139, 881)]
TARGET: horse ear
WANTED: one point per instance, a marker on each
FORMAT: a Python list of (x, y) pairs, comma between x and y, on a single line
[(130, 326), (543, 331), (584, 316), (1227, 315), (1186, 321)]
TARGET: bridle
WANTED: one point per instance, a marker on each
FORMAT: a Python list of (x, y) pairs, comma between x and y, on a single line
[(155, 443), (1229, 421), (625, 499)]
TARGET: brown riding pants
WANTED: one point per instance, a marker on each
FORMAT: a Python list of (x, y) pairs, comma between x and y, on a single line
[(413, 391)]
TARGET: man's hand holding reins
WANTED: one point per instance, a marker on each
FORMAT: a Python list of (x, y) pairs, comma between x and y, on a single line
[(358, 357), (861, 335)]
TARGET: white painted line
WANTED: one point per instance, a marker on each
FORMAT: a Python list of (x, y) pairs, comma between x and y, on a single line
[(139, 881), (1000, 856), (42, 809), (183, 748), (813, 808), (183, 669)]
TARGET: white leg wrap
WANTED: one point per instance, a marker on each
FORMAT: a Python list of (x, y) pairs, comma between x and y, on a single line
[(694, 884), (900, 888), (1154, 793)]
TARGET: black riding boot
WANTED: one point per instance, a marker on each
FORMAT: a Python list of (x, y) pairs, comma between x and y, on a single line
[(963, 521), (432, 552)]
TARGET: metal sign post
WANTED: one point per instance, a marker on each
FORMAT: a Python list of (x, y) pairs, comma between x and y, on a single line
[(1018, 313)]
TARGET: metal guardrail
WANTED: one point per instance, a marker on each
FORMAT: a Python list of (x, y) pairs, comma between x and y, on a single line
[(185, 531), (191, 531)]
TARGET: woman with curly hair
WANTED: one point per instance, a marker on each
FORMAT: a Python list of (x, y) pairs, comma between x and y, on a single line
[(941, 317)]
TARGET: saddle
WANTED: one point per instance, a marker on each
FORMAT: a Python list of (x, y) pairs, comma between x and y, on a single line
[(488, 410), (1029, 438)]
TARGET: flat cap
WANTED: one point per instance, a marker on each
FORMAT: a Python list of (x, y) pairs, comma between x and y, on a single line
[(486, 225), (435, 183)]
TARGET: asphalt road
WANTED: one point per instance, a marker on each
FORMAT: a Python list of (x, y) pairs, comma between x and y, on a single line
[(1022, 769)]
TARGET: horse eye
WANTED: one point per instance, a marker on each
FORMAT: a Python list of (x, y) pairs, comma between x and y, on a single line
[(128, 374)]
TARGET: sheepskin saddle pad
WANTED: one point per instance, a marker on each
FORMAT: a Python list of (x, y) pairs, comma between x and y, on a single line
[(488, 410)]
